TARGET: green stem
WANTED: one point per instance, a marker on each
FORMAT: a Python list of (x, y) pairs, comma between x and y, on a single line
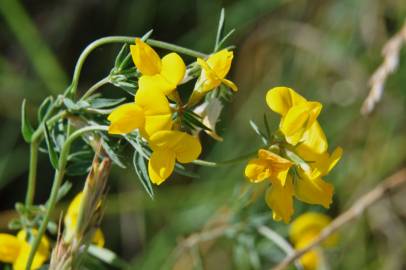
[(32, 175), (122, 39), (63, 159), (94, 87), (223, 163)]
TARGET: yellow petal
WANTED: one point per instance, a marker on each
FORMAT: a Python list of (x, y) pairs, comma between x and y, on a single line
[(314, 139), (208, 79), (9, 248), (220, 62), (173, 68), (186, 147), (298, 120), (98, 238), (145, 58), (230, 84), (71, 216), (257, 170), (279, 199), (313, 191), (281, 99), (41, 256), (279, 165), (332, 160), (161, 165), (125, 119), (156, 82), (155, 106)]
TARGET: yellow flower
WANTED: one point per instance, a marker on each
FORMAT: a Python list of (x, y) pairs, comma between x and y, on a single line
[(214, 71), (268, 165), (149, 113), (16, 249), (299, 118), (303, 230), (164, 74), (71, 219), (169, 146)]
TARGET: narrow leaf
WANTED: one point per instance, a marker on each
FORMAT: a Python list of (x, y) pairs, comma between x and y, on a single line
[(53, 156), (26, 128), (259, 133), (99, 103), (220, 29), (114, 157), (141, 170), (121, 55), (44, 108)]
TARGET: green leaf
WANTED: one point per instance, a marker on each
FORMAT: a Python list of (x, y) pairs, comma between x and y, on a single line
[(44, 108), (220, 29), (99, 103), (121, 55), (180, 169), (141, 170), (259, 133), (53, 156), (78, 168), (112, 155), (26, 128), (224, 39), (107, 256)]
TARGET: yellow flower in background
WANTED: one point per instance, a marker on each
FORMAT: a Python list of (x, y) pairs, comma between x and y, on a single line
[(303, 230), (214, 71), (71, 219), (167, 147), (299, 118), (16, 249), (268, 165), (149, 113), (163, 74)]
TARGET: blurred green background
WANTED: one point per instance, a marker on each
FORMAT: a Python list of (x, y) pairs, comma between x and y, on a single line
[(326, 50)]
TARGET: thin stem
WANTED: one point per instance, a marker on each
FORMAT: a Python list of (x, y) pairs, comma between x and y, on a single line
[(121, 39), (32, 174), (63, 159), (94, 87), (223, 163)]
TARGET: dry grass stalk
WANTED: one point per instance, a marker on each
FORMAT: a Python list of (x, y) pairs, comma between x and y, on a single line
[(387, 186), (390, 63)]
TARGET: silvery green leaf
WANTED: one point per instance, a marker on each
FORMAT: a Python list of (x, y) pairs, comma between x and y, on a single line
[(53, 156), (113, 156), (259, 133), (99, 103), (44, 108), (141, 170), (26, 128)]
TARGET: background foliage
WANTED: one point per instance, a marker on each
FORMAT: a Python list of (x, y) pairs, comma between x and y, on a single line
[(326, 50)]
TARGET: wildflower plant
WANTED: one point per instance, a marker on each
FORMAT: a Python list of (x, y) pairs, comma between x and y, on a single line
[(169, 96)]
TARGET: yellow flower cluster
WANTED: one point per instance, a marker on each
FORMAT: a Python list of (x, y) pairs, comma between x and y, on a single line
[(153, 109), (16, 249), (303, 230), (295, 163)]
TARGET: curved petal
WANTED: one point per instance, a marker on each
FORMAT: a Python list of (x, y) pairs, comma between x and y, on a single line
[(9, 248), (280, 199), (145, 58), (155, 123), (41, 256), (208, 79), (173, 68), (281, 99), (161, 165), (314, 139), (314, 191), (188, 148), (156, 82), (220, 62), (308, 223), (257, 170), (298, 120), (230, 84), (125, 119)]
